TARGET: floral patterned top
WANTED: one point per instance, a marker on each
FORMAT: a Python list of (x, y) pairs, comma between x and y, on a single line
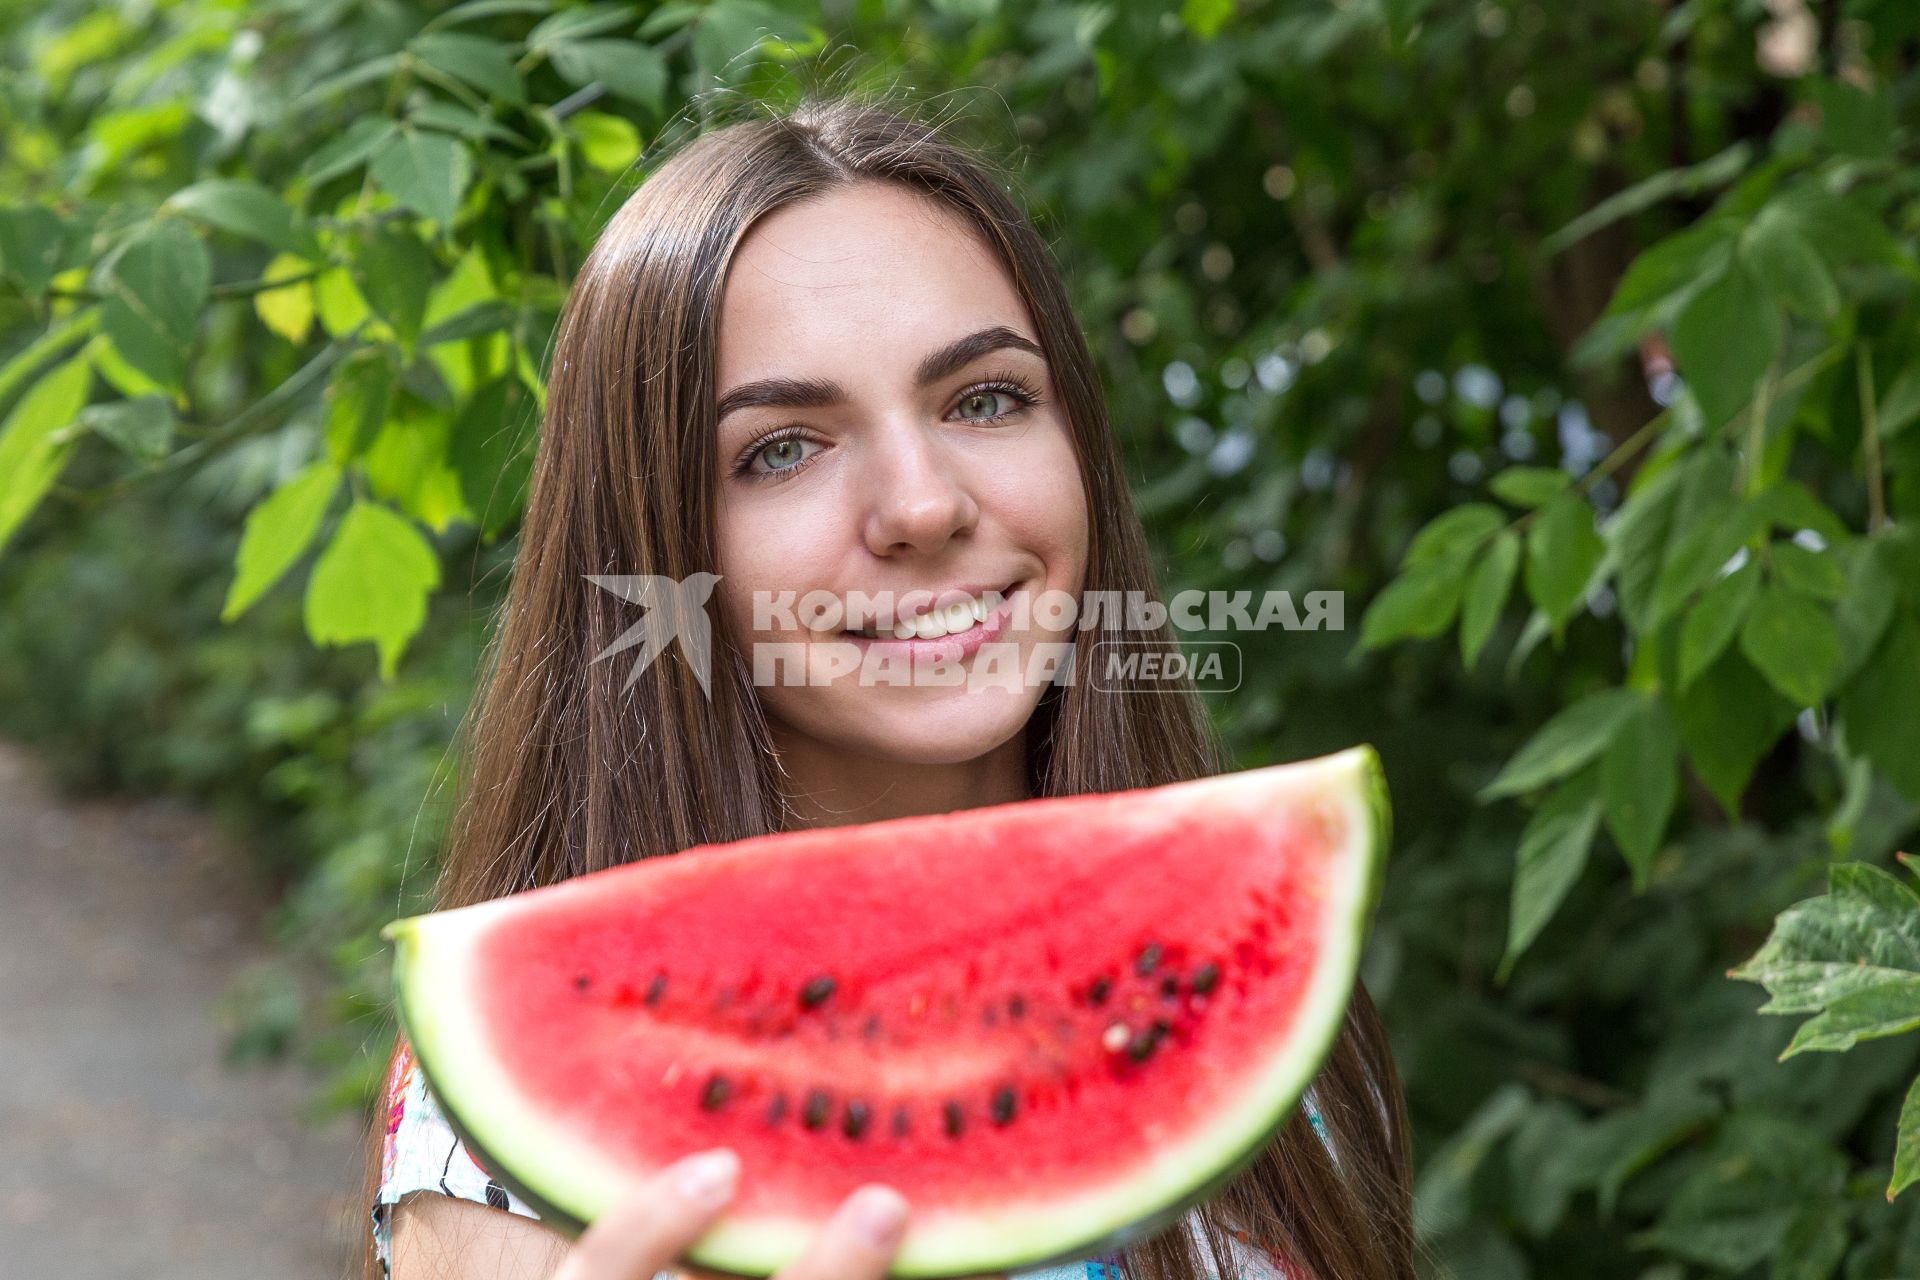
[(421, 1153)]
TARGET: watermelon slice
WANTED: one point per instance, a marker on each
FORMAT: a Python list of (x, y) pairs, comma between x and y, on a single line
[(1053, 1025)]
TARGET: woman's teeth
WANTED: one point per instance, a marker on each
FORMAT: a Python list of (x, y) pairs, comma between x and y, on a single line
[(935, 623)]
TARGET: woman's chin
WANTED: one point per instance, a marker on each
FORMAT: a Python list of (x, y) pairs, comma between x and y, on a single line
[(940, 726)]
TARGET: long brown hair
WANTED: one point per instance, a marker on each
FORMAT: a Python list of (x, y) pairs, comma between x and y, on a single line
[(567, 773)]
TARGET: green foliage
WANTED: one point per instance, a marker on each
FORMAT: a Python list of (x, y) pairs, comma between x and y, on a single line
[(1379, 291)]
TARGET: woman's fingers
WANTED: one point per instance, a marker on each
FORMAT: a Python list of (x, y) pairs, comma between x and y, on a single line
[(652, 1227), (648, 1231), (858, 1242)]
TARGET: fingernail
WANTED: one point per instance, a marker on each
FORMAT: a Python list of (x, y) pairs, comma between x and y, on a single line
[(880, 1216), (707, 1179)]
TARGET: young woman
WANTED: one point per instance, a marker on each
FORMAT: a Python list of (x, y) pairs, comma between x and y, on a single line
[(826, 352)]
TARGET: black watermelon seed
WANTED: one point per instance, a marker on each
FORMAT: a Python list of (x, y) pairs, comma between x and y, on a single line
[(1144, 1042), (900, 1121), (656, 988), (854, 1123), (1097, 993), (717, 1092), (581, 983), (1205, 977), (1149, 958), (954, 1119), (815, 992), (1170, 986), (1016, 1007), (1003, 1105), (778, 1109), (818, 1104)]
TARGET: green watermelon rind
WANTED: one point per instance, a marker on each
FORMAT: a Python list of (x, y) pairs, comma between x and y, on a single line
[(756, 1252)]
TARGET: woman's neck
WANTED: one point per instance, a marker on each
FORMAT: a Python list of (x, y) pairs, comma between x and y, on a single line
[(829, 787)]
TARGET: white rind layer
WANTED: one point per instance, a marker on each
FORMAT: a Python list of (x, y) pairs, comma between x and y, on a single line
[(571, 1177)]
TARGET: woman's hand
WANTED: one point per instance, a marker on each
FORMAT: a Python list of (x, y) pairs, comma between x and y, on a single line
[(648, 1231)]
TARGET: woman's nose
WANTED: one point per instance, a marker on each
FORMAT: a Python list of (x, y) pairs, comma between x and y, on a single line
[(916, 495)]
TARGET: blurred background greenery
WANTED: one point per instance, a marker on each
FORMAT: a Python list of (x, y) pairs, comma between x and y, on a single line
[(1608, 302)]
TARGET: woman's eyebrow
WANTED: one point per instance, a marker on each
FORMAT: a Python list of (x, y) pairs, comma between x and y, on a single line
[(818, 393)]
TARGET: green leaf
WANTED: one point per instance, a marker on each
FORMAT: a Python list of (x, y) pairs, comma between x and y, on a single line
[(1850, 956), (426, 172), (1452, 530), (277, 530), (1853, 121), (1713, 532), (1729, 718), (1815, 1242), (1637, 533), (1878, 707), (338, 302), (157, 286), (247, 209), (1205, 17), (33, 447), (1562, 552), (32, 240), (493, 443), (372, 583), (1714, 171), (1712, 623), (635, 71), (579, 22), (1640, 782), (1442, 1195), (407, 463), (1552, 853), (357, 400), (1899, 405), (1906, 1151), (731, 32), (1723, 341), (1681, 263), (350, 150), (608, 142), (474, 10), (1846, 228), (142, 426), (1814, 573), (1861, 617), (1775, 250), (1569, 740), (450, 118), (1871, 1013), (394, 272), (288, 311), (1420, 602), (1789, 505), (468, 285), (485, 64), (1792, 641), (1486, 594), (1758, 1190), (1529, 486)]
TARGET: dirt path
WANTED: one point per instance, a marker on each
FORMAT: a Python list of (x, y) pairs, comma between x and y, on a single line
[(131, 1150)]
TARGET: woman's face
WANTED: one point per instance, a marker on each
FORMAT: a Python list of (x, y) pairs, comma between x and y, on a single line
[(891, 473)]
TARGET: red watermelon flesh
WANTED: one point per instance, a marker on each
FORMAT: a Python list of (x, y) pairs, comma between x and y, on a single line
[(1052, 1024)]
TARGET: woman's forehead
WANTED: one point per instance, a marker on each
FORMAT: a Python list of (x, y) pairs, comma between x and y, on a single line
[(867, 272)]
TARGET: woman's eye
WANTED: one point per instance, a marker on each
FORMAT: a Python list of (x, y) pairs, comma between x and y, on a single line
[(784, 454), (985, 402)]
